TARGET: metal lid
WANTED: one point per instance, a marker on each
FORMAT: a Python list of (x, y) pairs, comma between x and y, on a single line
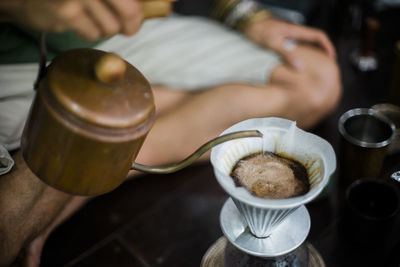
[(100, 88), (355, 123)]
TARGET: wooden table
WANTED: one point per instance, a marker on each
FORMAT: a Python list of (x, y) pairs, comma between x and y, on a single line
[(171, 220)]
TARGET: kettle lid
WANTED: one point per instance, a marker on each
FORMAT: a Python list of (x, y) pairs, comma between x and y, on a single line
[(100, 88)]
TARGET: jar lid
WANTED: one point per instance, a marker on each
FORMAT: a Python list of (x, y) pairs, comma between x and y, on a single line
[(100, 88)]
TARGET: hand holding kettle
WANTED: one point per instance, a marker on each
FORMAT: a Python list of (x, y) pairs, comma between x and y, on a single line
[(90, 19)]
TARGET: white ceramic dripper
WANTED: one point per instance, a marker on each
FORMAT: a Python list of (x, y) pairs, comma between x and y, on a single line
[(279, 136)]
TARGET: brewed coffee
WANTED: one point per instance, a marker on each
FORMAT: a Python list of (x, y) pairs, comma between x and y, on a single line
[(268, 175)]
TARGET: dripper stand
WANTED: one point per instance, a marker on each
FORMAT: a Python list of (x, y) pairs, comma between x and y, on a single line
[(284, 238)]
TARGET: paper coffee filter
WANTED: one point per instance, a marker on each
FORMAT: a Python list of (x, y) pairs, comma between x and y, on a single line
[(283, 137)]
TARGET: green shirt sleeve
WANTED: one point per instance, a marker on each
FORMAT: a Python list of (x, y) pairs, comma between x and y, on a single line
[(18, 45)]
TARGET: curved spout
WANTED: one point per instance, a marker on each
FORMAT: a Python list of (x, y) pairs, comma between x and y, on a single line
[(169, 168)]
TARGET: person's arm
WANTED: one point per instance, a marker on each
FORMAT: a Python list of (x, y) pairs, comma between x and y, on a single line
[(260, 27), (27, 206)]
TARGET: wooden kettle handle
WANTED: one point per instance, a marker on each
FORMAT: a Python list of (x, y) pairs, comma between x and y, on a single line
[(156, 8)]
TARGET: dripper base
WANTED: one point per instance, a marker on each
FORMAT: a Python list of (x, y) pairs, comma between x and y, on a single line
[(286, 237)]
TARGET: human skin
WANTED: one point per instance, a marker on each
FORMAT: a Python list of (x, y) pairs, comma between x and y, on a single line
[(90, 19), (272, 33), (30, 210)]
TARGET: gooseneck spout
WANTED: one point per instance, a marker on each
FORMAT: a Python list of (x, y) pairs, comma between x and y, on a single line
[(169, 168)]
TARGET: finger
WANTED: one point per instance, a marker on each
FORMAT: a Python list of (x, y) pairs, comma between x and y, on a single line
[(103, 16), (65, 15), (132, 26), (325, 43), (314, 36), (85, 28), (130, 14), (285, 50)]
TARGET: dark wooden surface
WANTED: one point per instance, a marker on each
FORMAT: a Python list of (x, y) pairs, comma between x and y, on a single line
[(171, 220)]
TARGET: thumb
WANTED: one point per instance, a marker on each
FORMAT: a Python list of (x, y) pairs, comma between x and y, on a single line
[(286, 51), (292, 60)]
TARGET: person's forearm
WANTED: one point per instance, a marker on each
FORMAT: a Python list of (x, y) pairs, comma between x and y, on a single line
[(27, 207)]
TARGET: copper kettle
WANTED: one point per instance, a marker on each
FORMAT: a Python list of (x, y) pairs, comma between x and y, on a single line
[(89, 118)]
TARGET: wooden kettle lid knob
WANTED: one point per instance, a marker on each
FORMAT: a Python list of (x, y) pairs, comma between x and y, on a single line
[(110, 68)]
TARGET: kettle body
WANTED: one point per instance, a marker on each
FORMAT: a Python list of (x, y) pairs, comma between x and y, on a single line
[(84, 128)]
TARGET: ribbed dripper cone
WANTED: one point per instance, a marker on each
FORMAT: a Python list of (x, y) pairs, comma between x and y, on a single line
[(262, 221), (262, 215)]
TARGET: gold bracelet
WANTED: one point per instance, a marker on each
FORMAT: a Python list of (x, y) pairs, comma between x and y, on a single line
[(222, 8), (251, 18), (238, 14)]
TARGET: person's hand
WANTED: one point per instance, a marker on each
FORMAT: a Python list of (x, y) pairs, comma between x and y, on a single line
[(90, 19), (279, 36)]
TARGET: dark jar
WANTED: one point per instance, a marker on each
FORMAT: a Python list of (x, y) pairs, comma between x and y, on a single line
[(234, 257)]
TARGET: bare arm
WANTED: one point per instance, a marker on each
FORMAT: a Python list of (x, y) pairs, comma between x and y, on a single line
[(27, 207)]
